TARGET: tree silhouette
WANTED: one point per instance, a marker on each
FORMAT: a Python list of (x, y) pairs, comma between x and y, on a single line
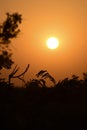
[(20, 76), (9, 29)]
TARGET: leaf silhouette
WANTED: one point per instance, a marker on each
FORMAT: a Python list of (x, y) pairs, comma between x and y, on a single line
[(42, 82), (40, 73), (45, 75), (51, 79)]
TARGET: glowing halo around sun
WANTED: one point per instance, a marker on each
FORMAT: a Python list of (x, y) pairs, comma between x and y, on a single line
[(52, 43)]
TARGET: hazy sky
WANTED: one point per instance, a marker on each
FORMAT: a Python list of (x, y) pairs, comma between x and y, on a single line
[(64, 19)]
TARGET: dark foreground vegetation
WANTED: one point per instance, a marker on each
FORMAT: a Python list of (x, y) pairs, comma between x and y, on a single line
[(32, 107), (35, 106)]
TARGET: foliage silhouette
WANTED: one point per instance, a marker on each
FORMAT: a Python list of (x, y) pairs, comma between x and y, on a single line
[(36, 107), (40, 80), (9, 29), (20, 76), (85, 76), (44, 74)]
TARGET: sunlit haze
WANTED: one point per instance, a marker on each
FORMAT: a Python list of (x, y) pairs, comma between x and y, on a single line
[(66, 20)]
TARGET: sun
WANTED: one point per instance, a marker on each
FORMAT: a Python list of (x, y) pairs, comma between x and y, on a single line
[(52, 43)]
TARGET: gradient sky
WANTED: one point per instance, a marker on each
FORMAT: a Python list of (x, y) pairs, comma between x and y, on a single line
[(64, 19)]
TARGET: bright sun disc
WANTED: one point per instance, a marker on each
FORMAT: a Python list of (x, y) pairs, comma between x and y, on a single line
[(52, 43)]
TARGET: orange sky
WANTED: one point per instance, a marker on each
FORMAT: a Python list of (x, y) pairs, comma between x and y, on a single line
[(64, 19)]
